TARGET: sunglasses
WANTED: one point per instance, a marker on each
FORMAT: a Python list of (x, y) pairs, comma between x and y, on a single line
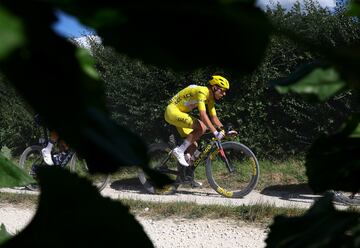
[(221, 90)]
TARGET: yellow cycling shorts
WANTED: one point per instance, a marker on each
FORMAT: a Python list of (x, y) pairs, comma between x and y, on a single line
[(182, 121)]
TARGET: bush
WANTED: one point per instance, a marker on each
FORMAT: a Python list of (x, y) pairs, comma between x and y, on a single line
[(274, 125), (15, 119)]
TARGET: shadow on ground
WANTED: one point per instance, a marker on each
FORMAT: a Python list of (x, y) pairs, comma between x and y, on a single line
[(132, 184), (291, 192)]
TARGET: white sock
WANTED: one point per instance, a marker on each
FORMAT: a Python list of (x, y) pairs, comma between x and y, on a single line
[(49, 146), (184, 145)]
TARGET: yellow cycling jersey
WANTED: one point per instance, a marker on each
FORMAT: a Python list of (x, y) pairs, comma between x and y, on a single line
[(194, 96)]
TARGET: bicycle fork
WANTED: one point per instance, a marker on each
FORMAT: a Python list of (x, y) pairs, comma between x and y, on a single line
[(223, 157)]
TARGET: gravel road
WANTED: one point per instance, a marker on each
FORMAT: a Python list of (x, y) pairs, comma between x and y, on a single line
[(168, 232), (185, 232)]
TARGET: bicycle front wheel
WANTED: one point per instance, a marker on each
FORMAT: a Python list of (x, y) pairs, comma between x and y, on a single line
[(79, 167), (31, 160), (238, 176)]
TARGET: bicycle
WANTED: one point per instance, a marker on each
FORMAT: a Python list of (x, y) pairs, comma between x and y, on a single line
[(32, 159), (346, 198), (232, 169)]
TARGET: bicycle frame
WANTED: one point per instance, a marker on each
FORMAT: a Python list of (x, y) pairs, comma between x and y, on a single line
[(203, 155), (206, 151)]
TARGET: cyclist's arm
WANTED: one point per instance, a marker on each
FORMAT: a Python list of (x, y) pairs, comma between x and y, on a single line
[(202, 97), (213, 116), (204, 118), (215, 120)]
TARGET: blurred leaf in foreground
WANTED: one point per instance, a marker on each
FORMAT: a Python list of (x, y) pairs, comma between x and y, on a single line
[(58, 81), (354, 8), (182, 35), (333, 162), (12, 175), (312, 82), (321, 226), (11, 32), (72, 213), (4, 235)]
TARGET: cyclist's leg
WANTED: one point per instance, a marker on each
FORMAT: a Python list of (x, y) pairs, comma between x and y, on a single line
[(46, 152), (64, 155), (188, 127), (184, 123), (198, 129), (191, 135)]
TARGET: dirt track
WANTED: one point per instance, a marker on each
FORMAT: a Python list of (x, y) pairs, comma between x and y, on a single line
[(184, 232)]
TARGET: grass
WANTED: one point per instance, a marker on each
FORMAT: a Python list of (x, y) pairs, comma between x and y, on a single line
[(281, 173), (20, 200), (287, 172), (271, 173), (255, 214)]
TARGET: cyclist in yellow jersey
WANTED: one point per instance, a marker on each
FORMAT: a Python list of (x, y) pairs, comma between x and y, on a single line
[(203, 98)]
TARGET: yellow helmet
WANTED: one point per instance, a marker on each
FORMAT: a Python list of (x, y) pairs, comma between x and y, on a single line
[(220, 81)]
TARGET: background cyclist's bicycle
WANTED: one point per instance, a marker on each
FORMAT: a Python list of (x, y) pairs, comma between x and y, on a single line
[(232, 169), (32, 159), (347, 198)]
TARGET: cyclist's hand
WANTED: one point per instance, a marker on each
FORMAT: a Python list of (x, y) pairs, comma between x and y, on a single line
[(219, 135)]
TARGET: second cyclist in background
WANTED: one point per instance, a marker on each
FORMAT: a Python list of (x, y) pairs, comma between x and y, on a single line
[(62, 156)]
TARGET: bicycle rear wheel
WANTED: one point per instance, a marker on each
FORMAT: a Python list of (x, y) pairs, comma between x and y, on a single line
[(160, 159), (242, 175), (79, 167)]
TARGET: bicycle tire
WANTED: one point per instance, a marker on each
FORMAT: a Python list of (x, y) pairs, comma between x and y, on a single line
[(242, 180), (346, 198), (31, 156), (159, 152), (79, 167)]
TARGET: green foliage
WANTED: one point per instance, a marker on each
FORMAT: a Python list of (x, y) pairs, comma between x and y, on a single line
[(4, 235), (354, 9), (205, 36), (332, 161), (137, 93), (16, 125), (336, 158), (270, 123), (43, 61), (322, 83), (10, 31), (6, 152), (11, 175), (81, 116), (295, 126)]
